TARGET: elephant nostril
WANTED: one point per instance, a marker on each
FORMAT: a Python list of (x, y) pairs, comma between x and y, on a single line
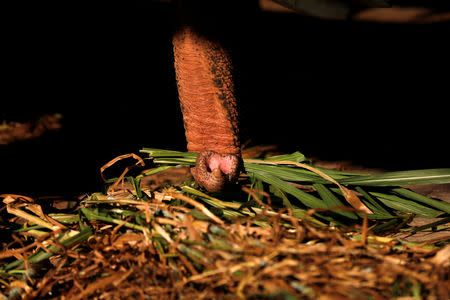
[(217, 173), (214, 171)]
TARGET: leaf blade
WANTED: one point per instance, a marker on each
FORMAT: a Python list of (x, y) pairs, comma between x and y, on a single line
[(413, 177), (307, 199)]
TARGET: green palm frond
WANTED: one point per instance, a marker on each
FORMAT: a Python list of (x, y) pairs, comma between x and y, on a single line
[(382, 194)]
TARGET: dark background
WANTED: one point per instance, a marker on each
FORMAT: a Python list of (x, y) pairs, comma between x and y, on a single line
[(372, 93)]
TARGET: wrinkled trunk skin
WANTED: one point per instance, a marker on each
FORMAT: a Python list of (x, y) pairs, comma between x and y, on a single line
[(204, 78), (205, 88)]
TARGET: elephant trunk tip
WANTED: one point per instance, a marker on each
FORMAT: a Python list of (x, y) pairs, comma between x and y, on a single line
[(215, 171)]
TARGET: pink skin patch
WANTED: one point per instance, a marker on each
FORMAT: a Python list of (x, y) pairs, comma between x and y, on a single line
[(221, 162)]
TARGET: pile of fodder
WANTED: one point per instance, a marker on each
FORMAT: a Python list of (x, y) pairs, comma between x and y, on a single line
[(142, 238), (168, 247)]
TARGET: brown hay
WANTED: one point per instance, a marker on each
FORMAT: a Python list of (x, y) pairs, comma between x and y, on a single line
[(180, 256)]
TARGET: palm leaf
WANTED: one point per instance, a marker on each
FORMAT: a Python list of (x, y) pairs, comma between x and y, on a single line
[(382, 193), (414, 177)]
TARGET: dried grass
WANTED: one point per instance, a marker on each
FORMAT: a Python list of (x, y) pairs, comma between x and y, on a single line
[(182, 257), (175, 246)]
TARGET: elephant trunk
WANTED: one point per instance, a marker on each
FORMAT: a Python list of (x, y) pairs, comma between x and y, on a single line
[(205, 88)]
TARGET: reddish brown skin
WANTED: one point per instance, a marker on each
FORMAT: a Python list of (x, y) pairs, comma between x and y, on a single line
[(206, 92), (205, 88)]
